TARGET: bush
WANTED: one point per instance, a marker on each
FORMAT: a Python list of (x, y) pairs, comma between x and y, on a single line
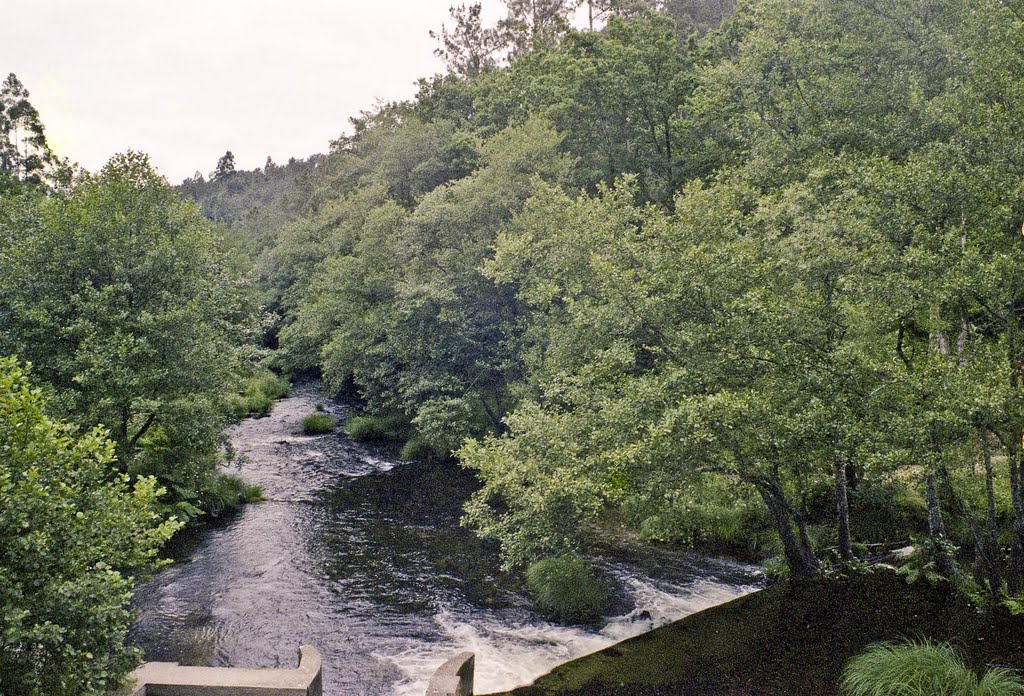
[(885, 511), (565, 589), (316, 423), (222, 493), (416, 449), (71, 533), (712, 514), (377, 428), (258, 394), (922, 669), (270, 385)]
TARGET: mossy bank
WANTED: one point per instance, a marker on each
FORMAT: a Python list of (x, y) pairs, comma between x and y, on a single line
[(790, 640)]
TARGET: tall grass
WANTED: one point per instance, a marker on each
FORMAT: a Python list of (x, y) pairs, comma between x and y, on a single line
[(317, 423), (380, 429), (258, 394), (416, 449), (223, 493), (922, 668), (565, 589)]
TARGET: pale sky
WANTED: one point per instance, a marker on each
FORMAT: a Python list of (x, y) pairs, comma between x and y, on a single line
[(186, 80)]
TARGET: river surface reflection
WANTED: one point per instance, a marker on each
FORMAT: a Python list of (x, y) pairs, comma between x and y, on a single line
[(363, 557)]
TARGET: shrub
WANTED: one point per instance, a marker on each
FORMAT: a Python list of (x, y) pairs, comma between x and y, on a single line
[(222, 493), (316, 423), (377, 428), (71, 531), (922, 669), (258, 394), (416, 449), (713, 513), (565, 589), (271, 385)]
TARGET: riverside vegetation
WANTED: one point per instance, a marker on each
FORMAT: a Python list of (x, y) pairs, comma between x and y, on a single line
[(747, 278)]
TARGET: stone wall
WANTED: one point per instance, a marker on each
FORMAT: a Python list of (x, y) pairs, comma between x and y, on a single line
[(453, 678), (172, 679)]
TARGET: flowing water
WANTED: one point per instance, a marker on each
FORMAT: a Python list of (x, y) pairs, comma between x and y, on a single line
[(362, 556)]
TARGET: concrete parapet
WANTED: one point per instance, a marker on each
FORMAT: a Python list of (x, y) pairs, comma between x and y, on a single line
[(454, 677), (172, 679)]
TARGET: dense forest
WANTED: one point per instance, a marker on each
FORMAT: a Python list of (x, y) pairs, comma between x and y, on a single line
[(747, 278)]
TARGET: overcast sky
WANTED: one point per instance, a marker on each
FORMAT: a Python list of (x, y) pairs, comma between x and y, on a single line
[(187, 80)]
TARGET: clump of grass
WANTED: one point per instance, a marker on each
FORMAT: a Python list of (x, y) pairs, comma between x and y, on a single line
[(258, 394), (377, 428), (565, 589), (320, 406), (416, 449), (922, 669), (221, 493), (317, 423), (271, 385)]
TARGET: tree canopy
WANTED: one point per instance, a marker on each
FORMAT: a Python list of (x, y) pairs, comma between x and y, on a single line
[(73, 532)]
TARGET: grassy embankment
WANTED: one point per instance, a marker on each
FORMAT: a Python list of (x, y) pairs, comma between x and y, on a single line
[(792, 639)]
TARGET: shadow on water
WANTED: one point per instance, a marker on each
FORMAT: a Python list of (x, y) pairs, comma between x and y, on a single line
[(363, 557)]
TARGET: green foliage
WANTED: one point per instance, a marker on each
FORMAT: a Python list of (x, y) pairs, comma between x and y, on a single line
[(316, 423), (565, 588), (417, 449), (878, 508), (775, 568), (222, 493), (930, 562), (135, 312), (711, 513), (258, 393), (922, 668), (702, 285), (25, 156), (72, 531), (377, 429)]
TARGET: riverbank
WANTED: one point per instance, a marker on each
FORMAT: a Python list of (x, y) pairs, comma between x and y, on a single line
[(789, 640), (362, 555)]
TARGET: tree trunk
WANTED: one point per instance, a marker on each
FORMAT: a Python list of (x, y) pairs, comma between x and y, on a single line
[(800, 558), (992, 528), (1017, 540), (499, 425), (982, 562), (931, 497), (936, 531), (843, 511)]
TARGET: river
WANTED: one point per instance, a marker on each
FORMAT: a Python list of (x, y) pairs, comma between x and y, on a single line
[(362, 556)]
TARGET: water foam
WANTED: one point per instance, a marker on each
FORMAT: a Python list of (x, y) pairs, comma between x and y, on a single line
[(514, 653)]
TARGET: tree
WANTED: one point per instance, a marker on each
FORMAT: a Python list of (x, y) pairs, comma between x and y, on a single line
[(72, 531), (599, 11), (534, 25), (402, 307), (225, 166), (468, 48), (127, 302), (24, 153)]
